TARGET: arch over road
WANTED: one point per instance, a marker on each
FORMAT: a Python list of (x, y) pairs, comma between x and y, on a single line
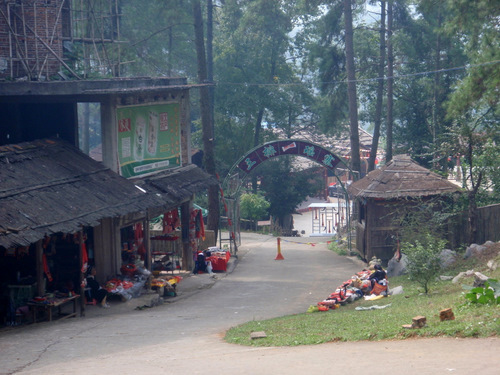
[(288, 147), (251, 160)]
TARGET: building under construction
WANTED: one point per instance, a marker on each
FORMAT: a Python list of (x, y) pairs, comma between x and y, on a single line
[(45, 40)]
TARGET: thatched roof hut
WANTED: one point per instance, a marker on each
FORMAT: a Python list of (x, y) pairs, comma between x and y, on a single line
[(385, 193), (401, 178)]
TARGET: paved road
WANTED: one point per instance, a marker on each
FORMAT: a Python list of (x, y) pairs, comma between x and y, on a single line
[(185, 337)]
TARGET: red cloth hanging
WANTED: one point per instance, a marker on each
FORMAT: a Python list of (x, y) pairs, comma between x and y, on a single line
[(85, 257), (46, 269), (171, 221), (201, 226), (139, 240)]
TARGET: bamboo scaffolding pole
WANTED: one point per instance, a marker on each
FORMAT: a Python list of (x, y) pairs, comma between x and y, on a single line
[(51, 51), (59, 12), (19, 47)]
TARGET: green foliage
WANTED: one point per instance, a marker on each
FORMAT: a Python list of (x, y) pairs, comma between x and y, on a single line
[(285, 189), (160, 36), (476, 23), (489, 294), (338, 248), (423, 259), (253, 207)]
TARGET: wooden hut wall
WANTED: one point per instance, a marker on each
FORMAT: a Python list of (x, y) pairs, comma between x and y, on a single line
[(361, 238), (383, 225), (380, 228)]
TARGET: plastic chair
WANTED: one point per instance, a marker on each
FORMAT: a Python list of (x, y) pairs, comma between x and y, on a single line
[(88, 298)]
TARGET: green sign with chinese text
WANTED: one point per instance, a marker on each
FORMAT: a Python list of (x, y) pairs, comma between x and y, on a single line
[(148, 138)]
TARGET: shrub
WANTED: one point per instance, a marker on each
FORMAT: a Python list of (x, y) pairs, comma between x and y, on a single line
[(423, 259), (489, 294), (253, 207)]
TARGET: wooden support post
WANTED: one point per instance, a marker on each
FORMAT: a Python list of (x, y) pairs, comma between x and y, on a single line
[(81, 270), (39, 269)]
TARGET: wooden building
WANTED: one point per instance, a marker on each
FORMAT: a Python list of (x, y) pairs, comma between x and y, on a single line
[(53, 195), (386, 193), (145, 129)]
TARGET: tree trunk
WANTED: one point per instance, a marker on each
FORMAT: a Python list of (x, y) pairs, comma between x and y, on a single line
[(473, 189), (210, 59), (390, 81), (380, 91), (206, 120), (436, 102), (472, 217), (351, 88)]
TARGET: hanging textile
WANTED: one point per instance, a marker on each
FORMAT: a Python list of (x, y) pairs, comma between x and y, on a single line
[(46, 269), (139, 240), (199, 225), (85, 257), (171, 221)]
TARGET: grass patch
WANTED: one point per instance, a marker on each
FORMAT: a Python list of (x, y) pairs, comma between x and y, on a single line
[(339, 248), (348, 324)]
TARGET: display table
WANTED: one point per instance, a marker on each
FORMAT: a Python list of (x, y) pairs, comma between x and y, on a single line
[(49, 305)]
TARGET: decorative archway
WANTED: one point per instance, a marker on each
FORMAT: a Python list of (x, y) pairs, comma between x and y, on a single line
[(244, 167)]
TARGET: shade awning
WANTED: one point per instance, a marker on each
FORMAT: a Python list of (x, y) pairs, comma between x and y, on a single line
[(176, 186)]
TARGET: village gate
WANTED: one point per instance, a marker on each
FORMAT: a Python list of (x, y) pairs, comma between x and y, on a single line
[(239, 172)]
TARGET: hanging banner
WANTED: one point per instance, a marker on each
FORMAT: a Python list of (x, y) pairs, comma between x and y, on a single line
[(288, 147), (149, 138)]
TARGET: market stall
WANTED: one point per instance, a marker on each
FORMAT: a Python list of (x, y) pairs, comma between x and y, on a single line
[(46, 305)]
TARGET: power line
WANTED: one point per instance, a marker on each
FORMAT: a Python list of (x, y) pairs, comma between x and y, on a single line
[(366, 79)]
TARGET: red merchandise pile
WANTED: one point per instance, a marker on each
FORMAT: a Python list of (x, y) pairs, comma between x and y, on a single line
[(115, 283), (364, 283)]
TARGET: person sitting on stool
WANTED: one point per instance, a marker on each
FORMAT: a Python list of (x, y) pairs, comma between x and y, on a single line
[(200, 264), (96, 291)]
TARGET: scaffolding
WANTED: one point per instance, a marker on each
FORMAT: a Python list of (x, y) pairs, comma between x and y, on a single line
[(42, 40)]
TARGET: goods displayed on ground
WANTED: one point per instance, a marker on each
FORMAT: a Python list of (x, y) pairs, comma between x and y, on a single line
[(166, 285), (371, 283), (131, 282)]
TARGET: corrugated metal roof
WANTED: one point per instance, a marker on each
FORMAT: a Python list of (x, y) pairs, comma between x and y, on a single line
[(49, 186), (400, 178)]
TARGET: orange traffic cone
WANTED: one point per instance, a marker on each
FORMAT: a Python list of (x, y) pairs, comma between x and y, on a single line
[(279, 256)]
